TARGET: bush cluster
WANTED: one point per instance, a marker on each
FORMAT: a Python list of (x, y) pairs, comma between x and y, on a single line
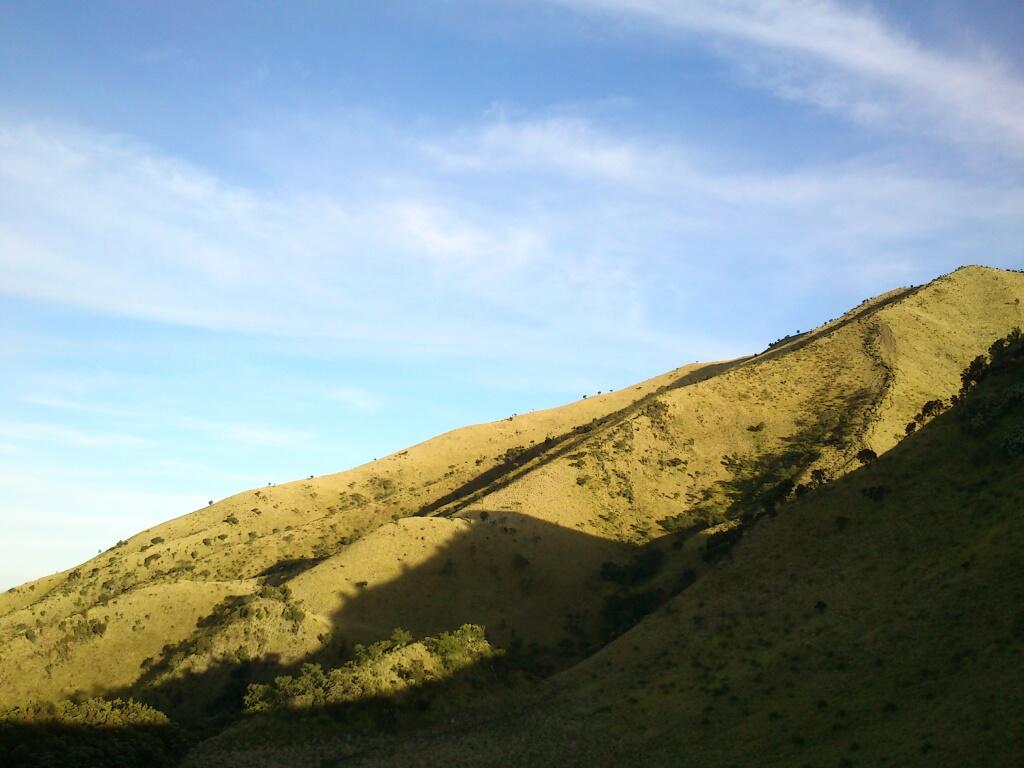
[(384, 669), (94, 732), (982, 408)]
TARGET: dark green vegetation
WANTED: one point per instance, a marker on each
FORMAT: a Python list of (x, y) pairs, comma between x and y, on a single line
[(386, 669), (94, 732)]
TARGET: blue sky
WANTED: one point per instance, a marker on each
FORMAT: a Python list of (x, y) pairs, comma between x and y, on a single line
[(243, 243)]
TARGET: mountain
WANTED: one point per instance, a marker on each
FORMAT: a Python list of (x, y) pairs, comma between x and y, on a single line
[(707, 568)]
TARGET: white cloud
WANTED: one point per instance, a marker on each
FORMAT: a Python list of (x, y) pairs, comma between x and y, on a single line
[(869, 199), (430, 230), (559, 144), (506, 237), (356, 398), (256, 434), (59, 403), (42, 432), (847, 59), (243, 433), (100, 222)]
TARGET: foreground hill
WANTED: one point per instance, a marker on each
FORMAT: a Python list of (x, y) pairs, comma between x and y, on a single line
[(558, 531)]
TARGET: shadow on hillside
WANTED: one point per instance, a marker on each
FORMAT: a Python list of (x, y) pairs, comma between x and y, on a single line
[(546, 594), (536, 587), (522, 577), (549, 595), (44, 745), (283, 571), (348, 726)]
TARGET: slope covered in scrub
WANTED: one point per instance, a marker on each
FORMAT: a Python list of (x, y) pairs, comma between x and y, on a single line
[(876, 620), (560, 530)]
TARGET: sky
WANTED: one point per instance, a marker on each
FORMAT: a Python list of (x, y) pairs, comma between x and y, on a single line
[(244, 243)]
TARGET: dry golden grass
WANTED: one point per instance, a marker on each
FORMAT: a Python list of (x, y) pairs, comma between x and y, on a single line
[(458, 529)]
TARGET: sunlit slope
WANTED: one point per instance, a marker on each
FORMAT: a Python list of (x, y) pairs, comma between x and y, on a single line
[(504, 524), (688, 454), (184, 567), (877, 620), (692, 454)]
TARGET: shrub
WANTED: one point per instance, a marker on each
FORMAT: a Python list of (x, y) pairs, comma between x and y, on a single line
[(384, 669), (973, 373), (777, 494), (94, 732), (866, 456), (819, 477), (282, 593), (720, 544), (640, 570), (512, 454), (400, 637), (459, 648), (294, 614)]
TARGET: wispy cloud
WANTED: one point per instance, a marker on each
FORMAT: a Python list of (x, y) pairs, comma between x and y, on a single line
[(262, 435), (557, 144), (44, 432), (861, 196), (100, 222), (493, 238), (59, 403), (356, 398), (849, 60)]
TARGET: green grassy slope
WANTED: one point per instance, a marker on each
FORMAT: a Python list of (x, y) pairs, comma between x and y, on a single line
[(557, 530), (878, 620)]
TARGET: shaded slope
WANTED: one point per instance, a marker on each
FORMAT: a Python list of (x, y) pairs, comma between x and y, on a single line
[(150, 590)]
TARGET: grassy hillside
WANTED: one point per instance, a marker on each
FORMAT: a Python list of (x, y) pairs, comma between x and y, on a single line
[(876, 620), (556, 530)]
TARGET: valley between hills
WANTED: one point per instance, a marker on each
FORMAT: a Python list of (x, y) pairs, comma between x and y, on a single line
[(810, 556)]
